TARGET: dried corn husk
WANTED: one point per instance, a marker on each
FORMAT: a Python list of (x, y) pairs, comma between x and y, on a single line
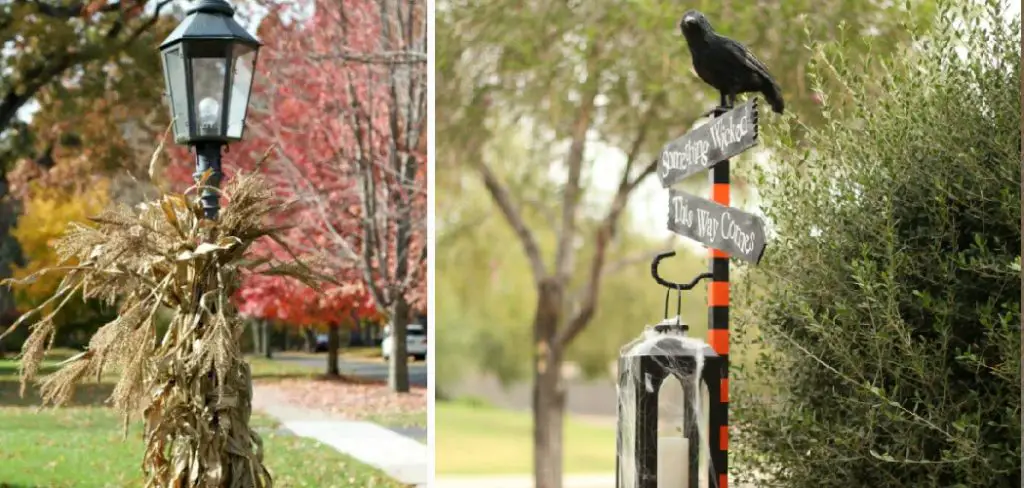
[(191, 386)]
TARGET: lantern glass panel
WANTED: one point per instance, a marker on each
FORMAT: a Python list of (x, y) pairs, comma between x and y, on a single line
[(243, 68), (671, 409), (673, 442), (177, 90), (704, 424), (209, 76)]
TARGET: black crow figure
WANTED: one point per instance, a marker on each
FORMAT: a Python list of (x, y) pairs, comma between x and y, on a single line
[(726, 64)]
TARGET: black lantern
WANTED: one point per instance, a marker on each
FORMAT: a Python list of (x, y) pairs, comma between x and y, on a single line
[(209, 62), (668, 385)]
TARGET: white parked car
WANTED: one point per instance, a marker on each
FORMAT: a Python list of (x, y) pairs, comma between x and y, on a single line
[(415, 342)]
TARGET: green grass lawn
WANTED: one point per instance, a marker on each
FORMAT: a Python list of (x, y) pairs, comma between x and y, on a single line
[(263, 368), (353, 354), (91, 393), (83, 447), (478, 440)]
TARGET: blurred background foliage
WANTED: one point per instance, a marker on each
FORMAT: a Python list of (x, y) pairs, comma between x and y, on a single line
[(80, 111), (510, 76)]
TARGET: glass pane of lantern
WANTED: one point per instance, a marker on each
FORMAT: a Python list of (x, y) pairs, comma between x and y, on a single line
[(174, 71), (705, 448), (627, 394), (208, 79), (241, 86), (673, 434)]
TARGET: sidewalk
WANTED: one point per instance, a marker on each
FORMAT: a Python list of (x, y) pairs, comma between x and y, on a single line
[(400, 457)]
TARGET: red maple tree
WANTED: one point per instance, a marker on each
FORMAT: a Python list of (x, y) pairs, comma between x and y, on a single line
[(341, 97), (282, 300)]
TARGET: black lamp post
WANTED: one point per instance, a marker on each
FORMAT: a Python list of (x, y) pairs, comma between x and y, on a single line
[(209, 62)]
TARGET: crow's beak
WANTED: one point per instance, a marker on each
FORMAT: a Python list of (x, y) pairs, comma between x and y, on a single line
[(689, 20)]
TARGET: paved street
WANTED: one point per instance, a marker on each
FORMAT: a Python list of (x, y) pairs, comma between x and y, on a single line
[(372, 369)]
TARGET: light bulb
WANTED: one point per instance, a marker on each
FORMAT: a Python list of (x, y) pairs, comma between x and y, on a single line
[(209, 113)]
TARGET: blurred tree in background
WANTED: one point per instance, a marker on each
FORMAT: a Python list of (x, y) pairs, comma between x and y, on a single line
[(80, 100), (576, 79), (68, 43), (891, 293), (285, 300), (343, 102), (46, 216)]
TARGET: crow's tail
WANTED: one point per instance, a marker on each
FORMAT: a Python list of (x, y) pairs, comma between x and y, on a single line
[(773, 95)]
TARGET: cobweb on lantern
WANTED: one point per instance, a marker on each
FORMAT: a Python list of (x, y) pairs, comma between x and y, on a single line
[(681, 412)]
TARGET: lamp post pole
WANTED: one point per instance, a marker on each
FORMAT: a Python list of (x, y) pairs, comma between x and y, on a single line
[(209, 62), (208, 159)]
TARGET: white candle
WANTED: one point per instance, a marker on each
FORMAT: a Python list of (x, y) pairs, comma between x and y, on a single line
[(673, 462)]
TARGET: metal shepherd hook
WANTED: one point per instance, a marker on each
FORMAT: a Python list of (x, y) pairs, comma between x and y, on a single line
[(669, 285)]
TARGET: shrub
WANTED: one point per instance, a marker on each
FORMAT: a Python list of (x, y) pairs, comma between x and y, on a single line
[(892, 304)]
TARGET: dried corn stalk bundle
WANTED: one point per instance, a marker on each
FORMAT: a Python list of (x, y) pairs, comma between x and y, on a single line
[(190, 383)]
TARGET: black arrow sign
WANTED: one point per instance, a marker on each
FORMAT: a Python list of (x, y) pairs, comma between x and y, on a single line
[(724, 228), (707, 145)]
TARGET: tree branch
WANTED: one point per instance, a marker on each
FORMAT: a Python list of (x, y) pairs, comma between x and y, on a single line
[(502, 199), (606, 233), (65, 12), (383, 57), (36, 77), (621, 264), (565, 253)]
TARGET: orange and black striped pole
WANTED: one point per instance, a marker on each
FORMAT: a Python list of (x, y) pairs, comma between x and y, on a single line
[(718, 332)]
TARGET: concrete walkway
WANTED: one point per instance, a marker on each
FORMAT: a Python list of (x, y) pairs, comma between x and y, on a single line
[(400, 457)]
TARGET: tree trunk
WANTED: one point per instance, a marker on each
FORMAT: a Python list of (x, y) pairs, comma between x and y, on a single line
[(355, 329), (310, 337), (548, 389), (254, 327), (332, 350), (364, 333), (398, 363), (10, 250), (265, 342), (548, 416)]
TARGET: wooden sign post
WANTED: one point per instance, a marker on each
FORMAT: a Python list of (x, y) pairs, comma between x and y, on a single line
[(724, 230)]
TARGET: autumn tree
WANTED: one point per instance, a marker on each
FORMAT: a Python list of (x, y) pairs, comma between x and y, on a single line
[(52, 39), (283, 300), (343, 99), (90, 72), (604, 72), (46, 217)]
